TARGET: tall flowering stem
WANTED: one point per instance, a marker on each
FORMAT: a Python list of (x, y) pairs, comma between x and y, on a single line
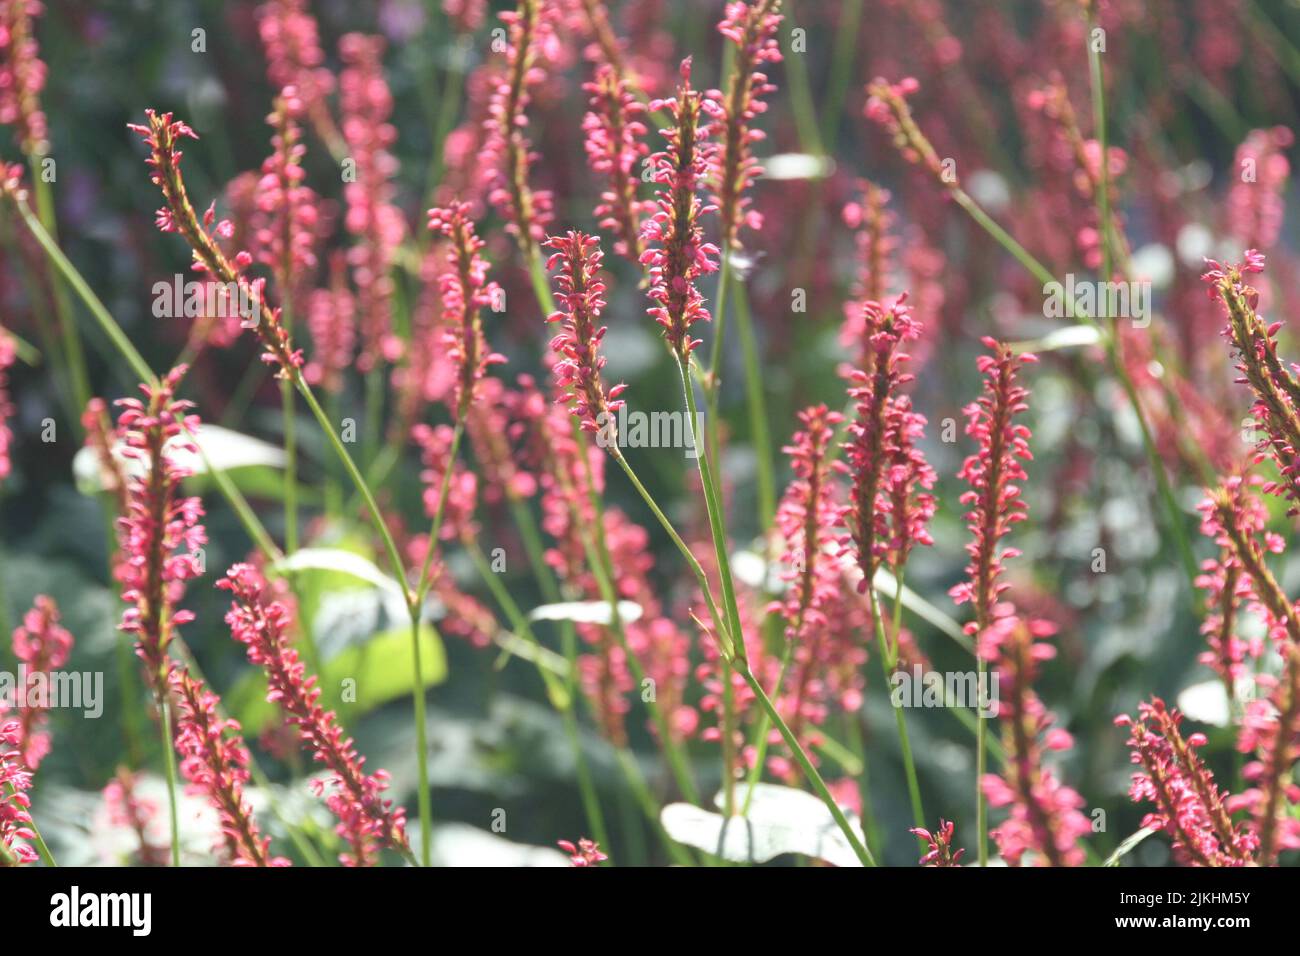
[(1045, 818), (676, 254), (752, 27), (215, 761), (465, 291), (159, 538), (810, 520), (43, 646), (366, 820), (615, 149), (286, 225), (891, 504), (1271, 726), (1274, 386), (1189, 807), (581, 299), (995, 506), (507, 149), (594, 408)]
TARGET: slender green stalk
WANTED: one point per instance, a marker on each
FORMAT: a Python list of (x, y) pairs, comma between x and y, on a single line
[(73, 351), (717, 525), (888, 661), (354, 474), (288, 413), (602, 566), (100, 314), (169, 762), (757, 405), (810, 772), (805, 110), (422, 583), (423, 796), (846, 45), (686, 552)]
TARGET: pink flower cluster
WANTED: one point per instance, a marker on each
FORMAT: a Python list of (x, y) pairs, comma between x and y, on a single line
[(160, 535), (586, 853), (615, 145), (752, 28), (676, 253), (331, 319), (581, 297), (291, 41), (1189, 806), (367, 821), (891, 500), (288, 213), (507, 152), (43, 646), (372, 217), (22, 75), (465, 292), (993, 473), (215, 762), (15, 805), (940, 852), (1044, 817)]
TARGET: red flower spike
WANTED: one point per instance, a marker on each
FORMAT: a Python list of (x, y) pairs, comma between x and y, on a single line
[(752, 27), (366, 820), (581, 296), (676, 253), (465, 291)]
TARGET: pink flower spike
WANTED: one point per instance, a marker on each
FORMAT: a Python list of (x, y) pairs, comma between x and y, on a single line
[(366, 820), (676, 253), (752, 27), (465, 292), (581, 296)]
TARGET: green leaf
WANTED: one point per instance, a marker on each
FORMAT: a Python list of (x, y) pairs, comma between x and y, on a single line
[(380, 669)]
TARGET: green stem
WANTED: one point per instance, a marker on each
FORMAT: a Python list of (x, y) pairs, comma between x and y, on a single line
[(810, 772), (79, 379), (169, 760), (846, 45), (422, 584), (423, 795), (290, 468), (888, 660), (717, 526), (757, 405), (98, 312)]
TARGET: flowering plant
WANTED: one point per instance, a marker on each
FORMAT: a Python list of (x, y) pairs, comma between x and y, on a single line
[(525, 430)]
